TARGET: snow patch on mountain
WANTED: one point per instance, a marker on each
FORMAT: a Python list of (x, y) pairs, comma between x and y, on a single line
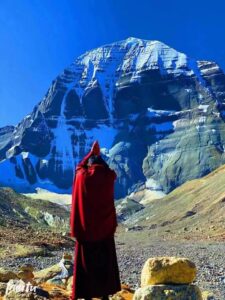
[(154, 113), (62, 140)]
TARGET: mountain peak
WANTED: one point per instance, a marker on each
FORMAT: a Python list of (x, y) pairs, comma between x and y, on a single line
[(132, 43), (132, 55), (139, 40), (154, 44), (117, 94)]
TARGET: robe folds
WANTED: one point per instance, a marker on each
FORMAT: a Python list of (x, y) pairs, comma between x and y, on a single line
[(93, 224)]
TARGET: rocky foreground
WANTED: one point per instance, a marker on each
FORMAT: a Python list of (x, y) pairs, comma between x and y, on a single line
[(162, 278), (161, 229), (208, 255)]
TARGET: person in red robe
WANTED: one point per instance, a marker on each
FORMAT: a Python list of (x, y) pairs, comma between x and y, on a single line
[(93, 223)]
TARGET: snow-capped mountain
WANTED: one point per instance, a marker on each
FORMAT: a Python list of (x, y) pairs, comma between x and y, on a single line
[(158, 115)]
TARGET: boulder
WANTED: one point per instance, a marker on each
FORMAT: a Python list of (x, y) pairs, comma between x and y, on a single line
[(168, 292), (6, 275), (45, 274), (168, 270)]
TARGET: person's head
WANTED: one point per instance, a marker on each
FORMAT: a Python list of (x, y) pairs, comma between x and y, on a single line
[(96, 159)]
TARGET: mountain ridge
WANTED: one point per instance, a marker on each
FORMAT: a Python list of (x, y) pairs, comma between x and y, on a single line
[(118, 93)]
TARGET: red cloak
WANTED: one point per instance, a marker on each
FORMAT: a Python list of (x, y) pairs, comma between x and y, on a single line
[(93, 223), (93, 215)]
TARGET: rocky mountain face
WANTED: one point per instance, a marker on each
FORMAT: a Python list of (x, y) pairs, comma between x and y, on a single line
[(19, 211), (193, 210), (5, 139), (158, 115)]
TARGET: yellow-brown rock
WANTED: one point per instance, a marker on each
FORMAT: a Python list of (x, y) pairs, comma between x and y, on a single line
[(55, 292), (26, 275), (6, 275), (46, 274), (168, 270), (208, 296), (69, 283), (27, 267), (125, 294)]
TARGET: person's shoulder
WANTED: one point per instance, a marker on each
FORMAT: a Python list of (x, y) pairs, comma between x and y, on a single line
[(112, 173)]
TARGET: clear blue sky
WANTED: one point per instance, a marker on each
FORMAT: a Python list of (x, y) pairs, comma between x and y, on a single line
[(39, 38)]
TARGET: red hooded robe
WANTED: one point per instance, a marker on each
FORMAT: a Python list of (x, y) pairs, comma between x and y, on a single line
[(93, 224)]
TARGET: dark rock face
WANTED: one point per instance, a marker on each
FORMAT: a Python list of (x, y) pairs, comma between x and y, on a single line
[(5, 139), (73, 108), (158, 115), (93, 104), (181, 157)]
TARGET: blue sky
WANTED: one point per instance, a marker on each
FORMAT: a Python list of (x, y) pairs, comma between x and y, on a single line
[(39, 38)]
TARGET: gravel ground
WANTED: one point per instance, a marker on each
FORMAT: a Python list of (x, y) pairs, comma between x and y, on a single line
[(208, 256), (38, 263)]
